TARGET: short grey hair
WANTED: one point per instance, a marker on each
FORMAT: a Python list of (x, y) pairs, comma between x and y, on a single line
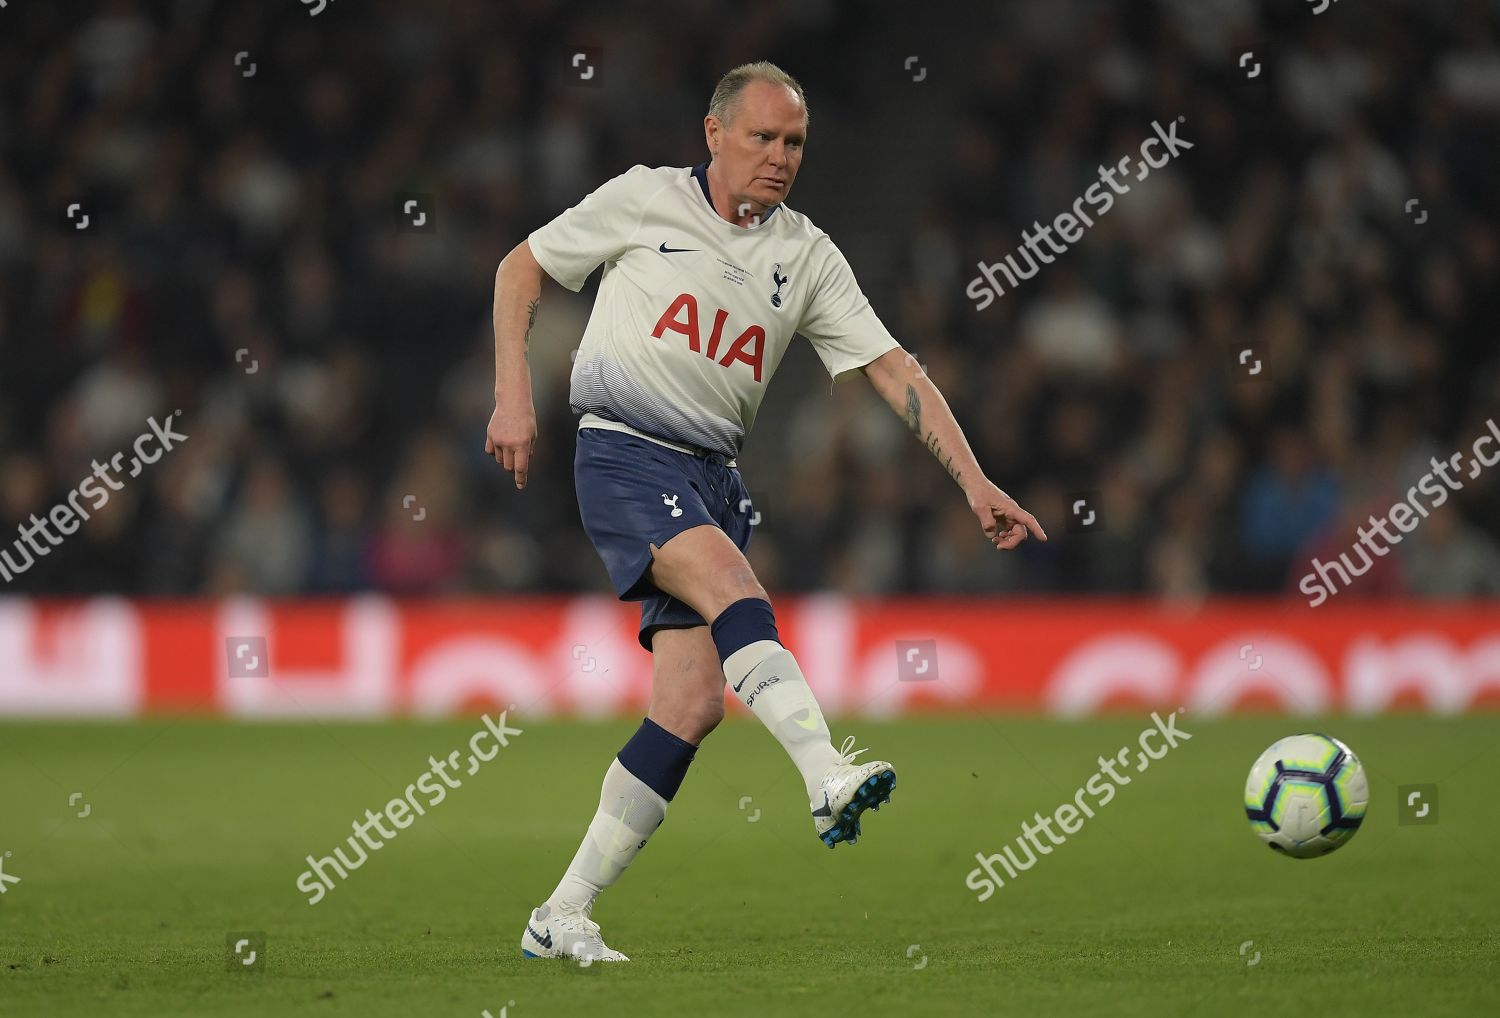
[(727, 93)]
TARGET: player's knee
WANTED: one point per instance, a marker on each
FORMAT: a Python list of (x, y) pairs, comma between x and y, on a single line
[(704, 571), (728, 586)]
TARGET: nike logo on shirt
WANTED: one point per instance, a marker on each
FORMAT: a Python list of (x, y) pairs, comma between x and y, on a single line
[(674, 250)]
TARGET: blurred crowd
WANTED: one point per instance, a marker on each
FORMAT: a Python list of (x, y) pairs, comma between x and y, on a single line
[(245, 262)]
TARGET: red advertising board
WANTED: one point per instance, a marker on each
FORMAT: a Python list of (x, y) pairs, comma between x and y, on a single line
[(374, 656)]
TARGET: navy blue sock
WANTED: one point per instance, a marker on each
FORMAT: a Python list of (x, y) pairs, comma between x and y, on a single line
[(658, 758), (747, 621)]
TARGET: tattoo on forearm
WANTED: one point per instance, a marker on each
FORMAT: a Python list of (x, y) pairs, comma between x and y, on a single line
[(934, 447), (531, 309), (914, 421)]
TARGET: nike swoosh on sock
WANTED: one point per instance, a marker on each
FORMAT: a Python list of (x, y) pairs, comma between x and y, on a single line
[(747, 676)]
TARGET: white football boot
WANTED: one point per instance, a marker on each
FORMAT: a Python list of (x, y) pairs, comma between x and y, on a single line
[(566, 931), (848, 790)]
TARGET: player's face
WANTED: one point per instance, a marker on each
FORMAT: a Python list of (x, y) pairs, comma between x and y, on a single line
[(759, 150)]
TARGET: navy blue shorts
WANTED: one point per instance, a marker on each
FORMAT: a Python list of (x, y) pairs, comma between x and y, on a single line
[(633, 493)]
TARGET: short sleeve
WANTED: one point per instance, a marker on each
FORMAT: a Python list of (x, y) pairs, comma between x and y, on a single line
[(594, 231), (840, 323)]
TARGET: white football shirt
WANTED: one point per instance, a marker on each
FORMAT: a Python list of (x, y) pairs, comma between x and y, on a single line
[(694, 313)]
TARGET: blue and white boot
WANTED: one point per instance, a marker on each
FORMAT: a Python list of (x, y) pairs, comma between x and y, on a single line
[(564, 930), (848, 790)]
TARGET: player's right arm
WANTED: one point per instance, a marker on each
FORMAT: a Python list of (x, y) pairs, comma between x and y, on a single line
[(518, 293), (568, 249)]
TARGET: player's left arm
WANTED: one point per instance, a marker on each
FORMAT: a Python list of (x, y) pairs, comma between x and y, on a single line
[(908, 391)]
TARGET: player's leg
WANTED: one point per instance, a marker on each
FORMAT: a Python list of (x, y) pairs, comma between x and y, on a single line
[(687, 682), (687, 703), (703, 568), (631, 492)]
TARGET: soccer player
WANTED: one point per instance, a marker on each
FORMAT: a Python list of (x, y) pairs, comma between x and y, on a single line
[(707, 276)]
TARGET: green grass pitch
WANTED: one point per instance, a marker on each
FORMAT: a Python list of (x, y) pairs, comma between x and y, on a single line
[(1164, 904)]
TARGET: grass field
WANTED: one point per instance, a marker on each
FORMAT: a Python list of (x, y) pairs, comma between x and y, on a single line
[(197, 830)]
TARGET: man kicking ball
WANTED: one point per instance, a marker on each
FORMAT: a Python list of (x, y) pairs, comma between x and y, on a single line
[(707, 276)]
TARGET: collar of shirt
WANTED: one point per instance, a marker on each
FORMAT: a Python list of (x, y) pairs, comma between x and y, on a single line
[(701, 172)]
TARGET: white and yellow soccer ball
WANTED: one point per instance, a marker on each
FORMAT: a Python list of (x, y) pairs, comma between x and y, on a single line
[(1306, 795)]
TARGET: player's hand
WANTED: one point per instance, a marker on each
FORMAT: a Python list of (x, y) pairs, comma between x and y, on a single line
[(1004, 522), (510, 438)]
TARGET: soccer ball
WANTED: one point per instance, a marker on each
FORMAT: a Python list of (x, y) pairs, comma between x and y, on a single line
[(1306, 795)]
